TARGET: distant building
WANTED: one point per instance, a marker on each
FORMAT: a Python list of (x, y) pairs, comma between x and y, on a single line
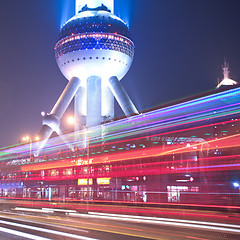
[(227, 81)]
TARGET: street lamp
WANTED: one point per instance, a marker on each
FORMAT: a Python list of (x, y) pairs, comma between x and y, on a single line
[(71, 120)]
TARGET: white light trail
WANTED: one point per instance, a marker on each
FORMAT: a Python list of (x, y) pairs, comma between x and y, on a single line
[(168, 219), (34, 210), (58, 210), (165, 221), (21, 234), (46, 231)]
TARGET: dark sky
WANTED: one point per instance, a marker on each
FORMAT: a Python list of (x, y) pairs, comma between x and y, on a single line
[(180, 48)]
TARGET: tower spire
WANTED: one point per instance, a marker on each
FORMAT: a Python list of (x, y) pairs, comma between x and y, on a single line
[(226, 70), (93, 4)]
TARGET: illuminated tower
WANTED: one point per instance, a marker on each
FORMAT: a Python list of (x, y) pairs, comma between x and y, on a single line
[(94, 52), (227, 81)]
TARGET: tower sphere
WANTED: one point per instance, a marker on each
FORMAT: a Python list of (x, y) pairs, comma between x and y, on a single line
[(94, 43)]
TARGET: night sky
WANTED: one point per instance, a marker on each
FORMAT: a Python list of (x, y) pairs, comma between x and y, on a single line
[(180, 49)]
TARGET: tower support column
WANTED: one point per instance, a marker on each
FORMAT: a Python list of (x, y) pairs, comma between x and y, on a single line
[(107, 102), (66, 97), (122, 97), (80, 106), (93, 117), (51, 122)]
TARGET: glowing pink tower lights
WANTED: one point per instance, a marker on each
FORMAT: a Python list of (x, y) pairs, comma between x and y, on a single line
[(94, 52)]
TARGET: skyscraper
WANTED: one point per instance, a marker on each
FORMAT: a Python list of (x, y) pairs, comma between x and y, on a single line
[(94, 52)]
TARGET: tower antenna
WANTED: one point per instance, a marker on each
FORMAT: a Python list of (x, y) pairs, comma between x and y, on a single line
[(226, 70)]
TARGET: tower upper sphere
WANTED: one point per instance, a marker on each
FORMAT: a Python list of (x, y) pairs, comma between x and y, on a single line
[(94, 42)]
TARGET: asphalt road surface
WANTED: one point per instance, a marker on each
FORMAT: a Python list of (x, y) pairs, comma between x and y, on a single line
[(45, 224)]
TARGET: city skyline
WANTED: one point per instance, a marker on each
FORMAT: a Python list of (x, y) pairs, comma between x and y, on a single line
[(180, 49)]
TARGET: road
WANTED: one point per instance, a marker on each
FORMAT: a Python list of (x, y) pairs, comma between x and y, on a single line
[(43, 224)]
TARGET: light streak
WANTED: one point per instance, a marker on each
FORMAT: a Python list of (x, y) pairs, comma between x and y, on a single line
[(46, 231), (152, 210), (195, 107), (34, 210), (184, 128), (224, 142), (22, 234), (166, 221)]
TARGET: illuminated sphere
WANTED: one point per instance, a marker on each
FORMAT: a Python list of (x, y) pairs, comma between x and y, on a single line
[(94, 43)]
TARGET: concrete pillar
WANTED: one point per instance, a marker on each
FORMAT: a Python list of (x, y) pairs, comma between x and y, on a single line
[(51, 121), (66, 97), (122, 97), (107, 103), (93, 101), (80, 105)]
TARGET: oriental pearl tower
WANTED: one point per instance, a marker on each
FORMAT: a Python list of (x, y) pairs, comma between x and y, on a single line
[(94, 52)]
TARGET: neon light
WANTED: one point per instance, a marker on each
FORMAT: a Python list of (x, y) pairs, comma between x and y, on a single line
[(85, 181), (103, 181)]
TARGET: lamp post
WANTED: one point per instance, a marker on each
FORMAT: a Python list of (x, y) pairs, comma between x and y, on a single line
[(88, 195), (29, 140), (71, 120)]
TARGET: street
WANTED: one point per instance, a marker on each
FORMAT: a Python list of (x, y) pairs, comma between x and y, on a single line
[(42, 225)]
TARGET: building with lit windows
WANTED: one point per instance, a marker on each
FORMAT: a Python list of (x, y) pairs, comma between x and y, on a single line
[(175, 153)]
